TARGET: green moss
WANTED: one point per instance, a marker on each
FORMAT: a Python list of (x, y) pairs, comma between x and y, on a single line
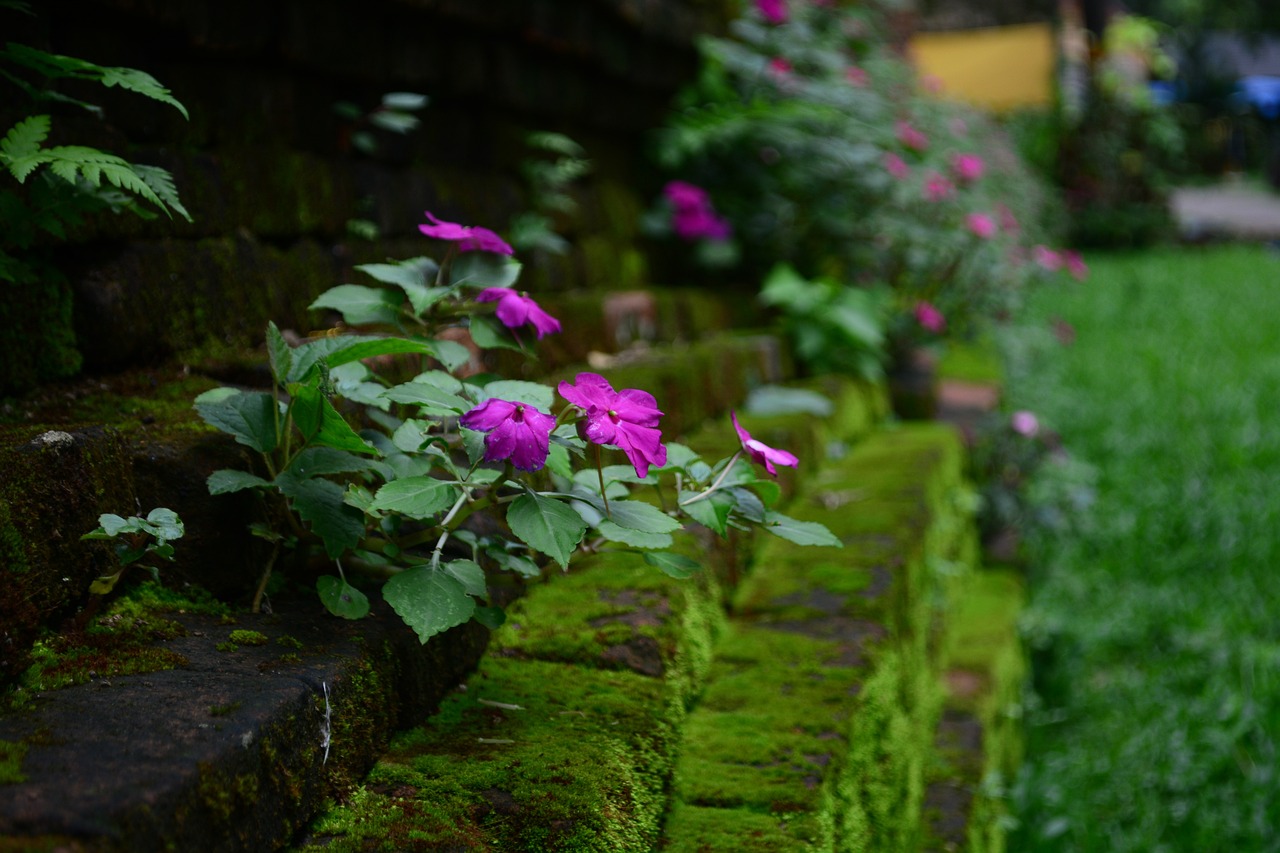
[(224, 710), (290, 642), (11, 755), (248, 638)]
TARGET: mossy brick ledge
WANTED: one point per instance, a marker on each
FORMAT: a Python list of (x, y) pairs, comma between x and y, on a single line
[(816, 726), (234, 750)]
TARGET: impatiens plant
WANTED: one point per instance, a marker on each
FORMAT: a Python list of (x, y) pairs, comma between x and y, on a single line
[(435, 476)]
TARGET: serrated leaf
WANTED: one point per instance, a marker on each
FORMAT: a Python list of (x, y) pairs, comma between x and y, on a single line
[(451, 354), (679, 457), (558, 461), (140, 82), (320, 461), (361, 305), (322, 424), (228, 480), (492, 618), (542, 397), (429, 601), (674, 565), (249, 416), (431, 399), (800, 532), (410, 435), (341, 598), (546, 525), (279, 353), (24, 138), (634, 538), (161, 183), (348, 348), (417, 497), (712, 511), (321, 503), (470, 575), (637, 515), (522, 566), (411, 272)]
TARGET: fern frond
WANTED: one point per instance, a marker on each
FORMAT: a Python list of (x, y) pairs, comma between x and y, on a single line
[(162, 183), (56, 65), (24, 138), (128, 180)]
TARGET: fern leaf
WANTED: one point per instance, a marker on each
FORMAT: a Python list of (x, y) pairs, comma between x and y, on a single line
[(142, 83), (65, 169), (24, 138), (23, 167), (126, 179), (162, 183), (91, 173)]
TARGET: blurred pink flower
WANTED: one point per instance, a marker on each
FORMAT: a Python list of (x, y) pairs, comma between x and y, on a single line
[(911, 137), (896, 166), (930, 318), (779, 69), (624, 419), (981, 225), (692, 216), (515, 309), (1025, 423), (773, 11), (468, 238), (967, 167), (761, 453), (685, 195), (856, 76), (1075, 265), (517, 431), (1047, 258), (937, 187), (1008, 222)]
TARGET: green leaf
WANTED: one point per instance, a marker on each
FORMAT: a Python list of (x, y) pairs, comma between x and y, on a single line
[(637, 515), (228, 480), (322, 424), (361, 305), (322, 504), (679, 457), (800, 532), (518, 391), (249, 416), (428, 600), (161, 183), (546, 525), (404, 101), (279, 353), (712, 511), (484, 269), (778, 400), (675, 565), (470, 575), (488, 333), (522, 566), (433, 400), (492, 618), (347, 348), (321, 461), (341, 598), (24, 138), (164, 524), (417, 497), (634, 538), (451, 354)]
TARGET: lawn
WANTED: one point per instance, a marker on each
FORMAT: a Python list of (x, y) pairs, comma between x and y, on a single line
[(1154, 619)]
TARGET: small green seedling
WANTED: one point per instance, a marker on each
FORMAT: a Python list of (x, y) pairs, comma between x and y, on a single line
[(135, 538)]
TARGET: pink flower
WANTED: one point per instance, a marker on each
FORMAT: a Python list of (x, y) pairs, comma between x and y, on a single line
[(468, 238), (930, 318), (981, 225), (1008, 222), (856, 76), (624, 419), (761, 453), (967, 167), (692, 216), (779, 69), (1024, 423), (516, 309), (896, 166), (937, 188), (1048, 259), (517, 431), (1075, 265), (773, 11), (684, 195), (911, 137)]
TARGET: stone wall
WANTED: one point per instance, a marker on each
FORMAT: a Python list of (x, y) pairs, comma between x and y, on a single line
[(267, 168)]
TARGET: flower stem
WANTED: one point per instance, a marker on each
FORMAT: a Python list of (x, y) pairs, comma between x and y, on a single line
[(714, 486)]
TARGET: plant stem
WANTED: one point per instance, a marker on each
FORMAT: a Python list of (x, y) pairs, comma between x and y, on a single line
[(716, 485)]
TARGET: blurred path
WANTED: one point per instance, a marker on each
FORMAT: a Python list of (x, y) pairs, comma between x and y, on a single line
[(1227, 210)]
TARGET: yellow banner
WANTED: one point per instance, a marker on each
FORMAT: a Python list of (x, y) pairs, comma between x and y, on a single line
[(998, 68)]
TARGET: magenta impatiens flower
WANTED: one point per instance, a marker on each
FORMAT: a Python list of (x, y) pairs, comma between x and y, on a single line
[(625, 419), (911, 137), (937, 187), (692, 216), (930, 318), (856, 76), (967, 167), (896, 166), (517, 431), (468, 238), (761, 453), (1025, 423), (981, 225), (515, 309), (1048, 259), (1075, 265), (773, 11)]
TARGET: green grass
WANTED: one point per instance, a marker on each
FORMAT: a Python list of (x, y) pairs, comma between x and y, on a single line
[(1155, 623)]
